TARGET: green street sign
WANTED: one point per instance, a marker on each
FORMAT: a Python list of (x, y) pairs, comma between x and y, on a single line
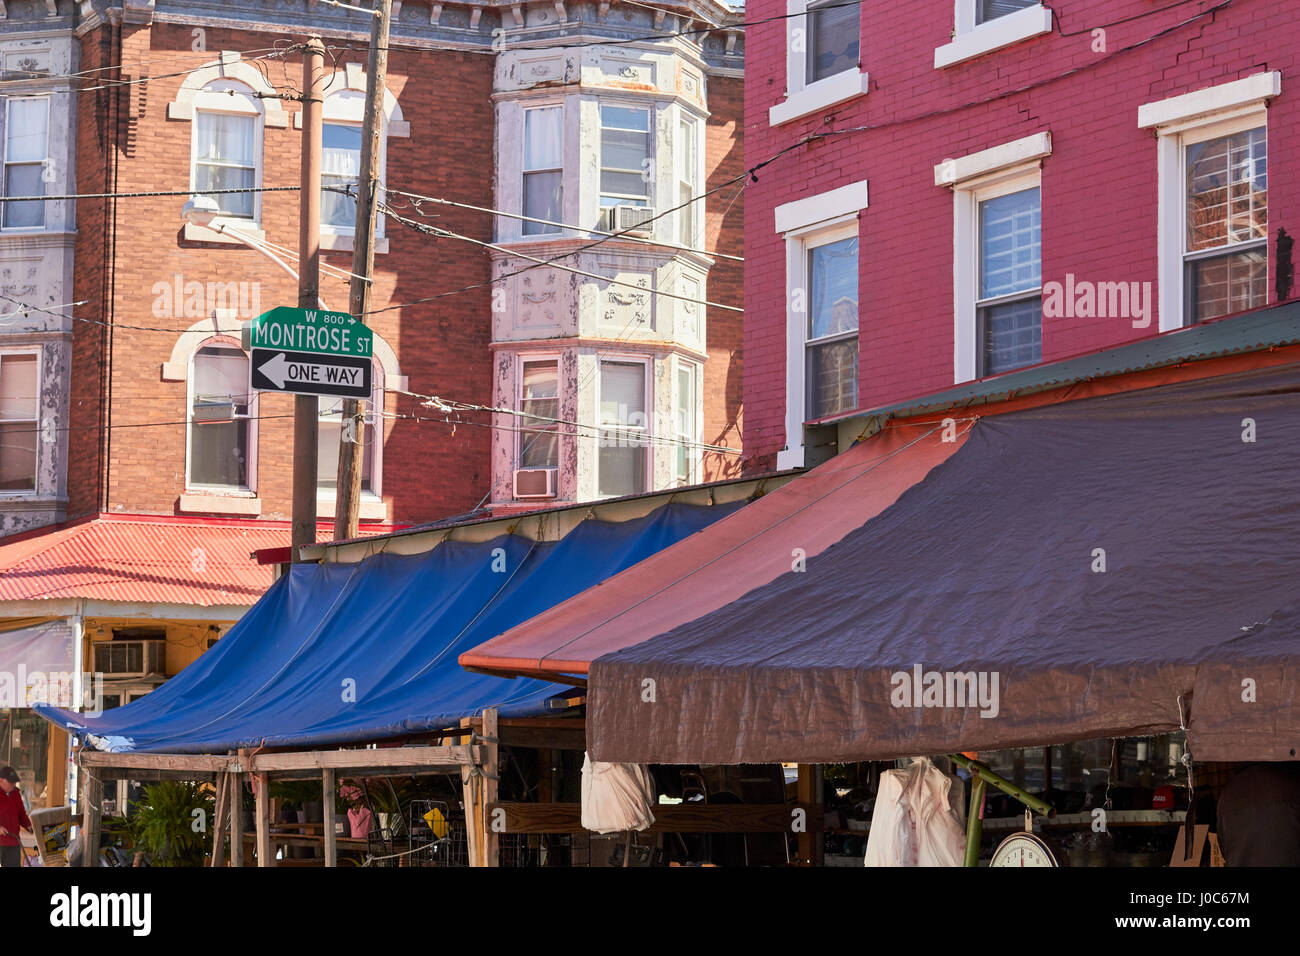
[(309, 352)]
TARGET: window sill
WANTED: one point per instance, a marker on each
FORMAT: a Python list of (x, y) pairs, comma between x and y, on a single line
[(994, 35), (371, 508), (235, 503), (343, 242), (245, 227), (818, 96)]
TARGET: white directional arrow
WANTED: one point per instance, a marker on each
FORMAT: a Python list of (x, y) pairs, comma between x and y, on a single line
[(280, 371)]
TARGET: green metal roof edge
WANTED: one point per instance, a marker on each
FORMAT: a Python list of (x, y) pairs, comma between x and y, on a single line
[(1251, 332)]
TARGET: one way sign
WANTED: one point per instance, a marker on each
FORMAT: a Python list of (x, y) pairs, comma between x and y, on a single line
[(310, 373)]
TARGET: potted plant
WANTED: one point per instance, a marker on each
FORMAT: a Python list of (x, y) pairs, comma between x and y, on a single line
[(165, 824)]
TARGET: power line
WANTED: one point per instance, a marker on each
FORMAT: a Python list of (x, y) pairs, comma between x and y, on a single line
[(389, 191), (448, 234), (157, 193)]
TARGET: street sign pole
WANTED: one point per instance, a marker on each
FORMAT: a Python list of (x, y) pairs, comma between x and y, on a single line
[(306, 410)]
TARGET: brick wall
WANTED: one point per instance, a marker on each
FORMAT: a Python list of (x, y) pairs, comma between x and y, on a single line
[(430, 469), (1098, 186), (724, 221)]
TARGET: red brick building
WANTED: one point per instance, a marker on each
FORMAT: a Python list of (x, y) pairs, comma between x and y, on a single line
[(1001, 184), (173, 293)]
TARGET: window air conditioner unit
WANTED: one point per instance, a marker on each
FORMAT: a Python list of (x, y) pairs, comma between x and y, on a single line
[(218, 409), (535, 483), (631, 219), (129, 658)]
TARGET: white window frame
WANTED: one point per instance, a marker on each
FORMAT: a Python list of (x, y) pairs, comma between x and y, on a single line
[(647, 362), (191, 489), (374, 416), (694, 452), (623, 198), (987, 174), (352, 116), (970, 39), (805, 223), (1183, 121), (522, 437), (801, 97), (40, 375), (5, 163), (1029, 179), (220, 97), (689, 177), (543, 231)]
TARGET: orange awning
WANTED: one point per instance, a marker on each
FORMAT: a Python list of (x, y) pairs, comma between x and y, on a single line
[(717, 565)]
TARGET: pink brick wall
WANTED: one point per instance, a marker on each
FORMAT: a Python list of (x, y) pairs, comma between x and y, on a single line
[(1098, 187)]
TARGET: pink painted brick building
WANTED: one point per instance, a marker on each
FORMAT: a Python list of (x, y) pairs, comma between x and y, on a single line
[(995, 184)]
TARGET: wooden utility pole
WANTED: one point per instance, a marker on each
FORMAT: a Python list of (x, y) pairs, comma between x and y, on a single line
[(351, 440), (306, 409)]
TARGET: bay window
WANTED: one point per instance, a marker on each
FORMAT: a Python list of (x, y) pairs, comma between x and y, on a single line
[(687, 424), (539, 439), (622, 460), (624, 155), (543, 186), (687, 181), (26, 145)]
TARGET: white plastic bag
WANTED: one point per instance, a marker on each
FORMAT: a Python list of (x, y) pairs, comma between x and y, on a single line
[(913, 823), (616, 796)]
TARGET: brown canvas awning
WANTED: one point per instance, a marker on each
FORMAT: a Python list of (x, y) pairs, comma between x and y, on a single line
[(1120, 565), (718, 564)]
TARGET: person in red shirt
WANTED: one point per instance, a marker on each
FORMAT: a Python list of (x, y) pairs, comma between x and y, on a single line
[(13, 817)]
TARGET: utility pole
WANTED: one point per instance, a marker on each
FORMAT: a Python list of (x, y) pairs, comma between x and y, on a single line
[(351, 440), (306, 412)]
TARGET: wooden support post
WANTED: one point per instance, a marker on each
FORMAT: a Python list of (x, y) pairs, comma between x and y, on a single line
[(218, 819), (262, 794), (331, 839), (470, 778), (236, 819), (91, 799), (491, 786), (808, 790)]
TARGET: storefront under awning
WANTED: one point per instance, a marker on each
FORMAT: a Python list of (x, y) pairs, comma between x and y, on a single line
[(337, 653), (1115, 566)]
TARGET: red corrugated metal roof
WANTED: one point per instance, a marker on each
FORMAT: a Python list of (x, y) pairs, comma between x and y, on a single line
[(142, 559)]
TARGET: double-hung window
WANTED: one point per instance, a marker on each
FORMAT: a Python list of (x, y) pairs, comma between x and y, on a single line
[(625, 159), (832, 39), (687, 181), (329, 435), (625, 429), (1225, 252), (220, 425), (1212, 227), (227, 146), (543, 185), (26, 145), (986, 10), (1009, 305), (19, 414), (831, 344), (539, 439), (822, 53), (687, 424), (340, 168)]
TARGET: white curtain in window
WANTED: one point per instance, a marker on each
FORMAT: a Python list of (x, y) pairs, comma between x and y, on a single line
[(224, 137), (542, 147), (27, 135), (622, 393)]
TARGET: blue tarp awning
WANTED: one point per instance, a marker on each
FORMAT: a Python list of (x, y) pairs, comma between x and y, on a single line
[(339, 653)]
